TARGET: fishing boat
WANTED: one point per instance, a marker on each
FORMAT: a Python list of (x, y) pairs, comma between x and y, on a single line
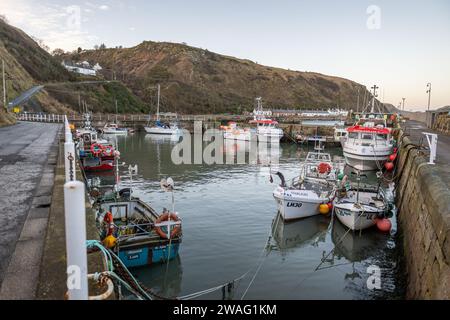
[(96, 155), (266, 129), (113, 128), (366, 147), (369, 143), (340, 133), (303, 197), (233, 132), (315, 186), (134, 230), (160, 128), (359, 208)]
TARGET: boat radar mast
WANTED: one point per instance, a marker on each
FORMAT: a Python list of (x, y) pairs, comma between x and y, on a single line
[(373, 97)]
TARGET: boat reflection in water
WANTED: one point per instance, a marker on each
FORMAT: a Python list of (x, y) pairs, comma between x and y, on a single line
[(163, 279), (164, 138), (356, 246), (252, 152), (299, 233)]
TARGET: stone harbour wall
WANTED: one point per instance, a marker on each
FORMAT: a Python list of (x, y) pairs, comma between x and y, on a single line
[(423, 201)]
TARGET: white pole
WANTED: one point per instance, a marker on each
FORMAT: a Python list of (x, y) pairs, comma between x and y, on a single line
[(69, 159), (75, 221)]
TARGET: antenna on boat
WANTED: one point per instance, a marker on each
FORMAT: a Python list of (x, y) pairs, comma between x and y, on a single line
[(132, 170), (375, 87)]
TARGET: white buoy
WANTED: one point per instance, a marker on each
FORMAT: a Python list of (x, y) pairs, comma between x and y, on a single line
[(75, 223)]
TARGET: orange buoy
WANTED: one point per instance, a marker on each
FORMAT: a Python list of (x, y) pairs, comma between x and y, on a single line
[(324, 209), (330, 205), (392, 157), (384, 225), (389, 166), (324, 167)]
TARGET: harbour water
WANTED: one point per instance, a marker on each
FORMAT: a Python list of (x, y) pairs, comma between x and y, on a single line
[(231, 228)]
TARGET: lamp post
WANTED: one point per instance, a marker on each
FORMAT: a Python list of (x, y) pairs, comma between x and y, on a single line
[(403, 105), (429, 94)]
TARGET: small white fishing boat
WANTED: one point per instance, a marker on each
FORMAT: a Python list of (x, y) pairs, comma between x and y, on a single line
[(233, 132), (339, 134), (267, 130), (359, 208), (160, 128), (113, 128), (303, 198), (315, 186)]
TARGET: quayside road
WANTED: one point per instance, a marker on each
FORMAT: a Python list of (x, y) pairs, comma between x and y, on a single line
[(25, 182), (415, 129)]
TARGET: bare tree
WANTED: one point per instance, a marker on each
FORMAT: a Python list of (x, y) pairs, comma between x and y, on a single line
[(3, 18), (58, 52)]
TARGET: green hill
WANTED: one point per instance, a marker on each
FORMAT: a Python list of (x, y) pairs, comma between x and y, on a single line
[(194, 80)]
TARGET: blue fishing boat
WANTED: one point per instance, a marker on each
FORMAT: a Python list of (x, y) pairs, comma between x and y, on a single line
[(135, 231)]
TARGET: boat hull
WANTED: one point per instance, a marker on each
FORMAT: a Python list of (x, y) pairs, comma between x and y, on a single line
[(161, 131), (297, 206), (115, 132), (100, 168), (365, 157), (355, 219), (139, 255)]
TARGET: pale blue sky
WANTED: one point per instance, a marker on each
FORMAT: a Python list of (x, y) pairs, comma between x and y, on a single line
[(410, 48)]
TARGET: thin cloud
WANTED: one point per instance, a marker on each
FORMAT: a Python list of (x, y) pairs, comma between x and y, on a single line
[(58, 26)]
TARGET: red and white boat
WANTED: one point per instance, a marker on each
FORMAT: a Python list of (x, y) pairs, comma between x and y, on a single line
[(95, 154), (367, 147), (369, 142), (233, 132), (266, 129)]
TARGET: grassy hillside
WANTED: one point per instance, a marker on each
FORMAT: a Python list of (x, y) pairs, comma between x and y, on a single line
[(6, 119), (195, 80), (99, 97), (27, 65)]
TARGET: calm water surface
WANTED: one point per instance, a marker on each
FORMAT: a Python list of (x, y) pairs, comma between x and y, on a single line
[(230, 226)]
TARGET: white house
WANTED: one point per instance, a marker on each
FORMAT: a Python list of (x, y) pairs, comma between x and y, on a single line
[(81, 68)]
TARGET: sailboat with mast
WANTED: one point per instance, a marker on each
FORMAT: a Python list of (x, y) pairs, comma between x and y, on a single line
[(113, 128), (160, 128)]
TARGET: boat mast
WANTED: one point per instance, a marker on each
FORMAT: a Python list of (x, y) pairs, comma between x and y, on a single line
[(116, 110), (373, 97), (159, 98)]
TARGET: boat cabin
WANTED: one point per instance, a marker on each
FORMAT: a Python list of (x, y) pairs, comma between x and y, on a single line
[(369, 136)]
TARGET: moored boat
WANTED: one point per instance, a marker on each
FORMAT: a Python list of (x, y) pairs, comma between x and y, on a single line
[(369, 142), (267, 129), (133, 229), (113, 128), (359, 208), (367, 147), (233, 132), (160, 128)]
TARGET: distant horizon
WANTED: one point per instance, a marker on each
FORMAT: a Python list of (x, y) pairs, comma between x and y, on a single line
[(396, 45)]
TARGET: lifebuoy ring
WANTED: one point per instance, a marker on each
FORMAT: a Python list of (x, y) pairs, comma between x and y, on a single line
[(324, 167), (96, 149), (165, 217)]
